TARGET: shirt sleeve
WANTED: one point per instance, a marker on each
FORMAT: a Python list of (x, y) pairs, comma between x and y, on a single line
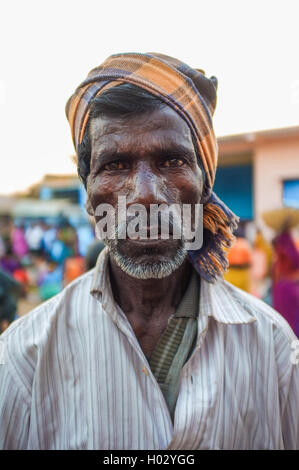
[(290, 411), (287, 352), (14, 413)]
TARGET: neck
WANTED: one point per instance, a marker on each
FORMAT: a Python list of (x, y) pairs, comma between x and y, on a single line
[(151, 297)]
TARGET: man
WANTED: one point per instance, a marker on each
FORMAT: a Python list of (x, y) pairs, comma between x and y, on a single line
[(151, 349)]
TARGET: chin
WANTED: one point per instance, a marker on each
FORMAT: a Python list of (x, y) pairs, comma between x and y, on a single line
[(142, 261)]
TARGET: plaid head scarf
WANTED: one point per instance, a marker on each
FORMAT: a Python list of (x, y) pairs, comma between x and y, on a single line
[(193, 96)]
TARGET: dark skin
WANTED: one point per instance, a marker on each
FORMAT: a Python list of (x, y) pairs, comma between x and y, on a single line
[(150, 159)]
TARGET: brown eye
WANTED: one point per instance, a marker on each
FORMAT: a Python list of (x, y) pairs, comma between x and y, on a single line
[(115, 166), (173, 162)]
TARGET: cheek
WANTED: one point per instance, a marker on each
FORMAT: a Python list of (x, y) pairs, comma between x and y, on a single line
[(190, 186), (105, 189)]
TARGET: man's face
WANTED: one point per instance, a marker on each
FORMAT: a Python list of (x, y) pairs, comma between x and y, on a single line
[(149, 159)]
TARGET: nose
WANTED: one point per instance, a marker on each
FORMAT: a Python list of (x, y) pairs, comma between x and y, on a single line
[(147, 187)]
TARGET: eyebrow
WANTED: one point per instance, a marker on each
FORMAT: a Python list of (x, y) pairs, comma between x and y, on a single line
[(166, 151)]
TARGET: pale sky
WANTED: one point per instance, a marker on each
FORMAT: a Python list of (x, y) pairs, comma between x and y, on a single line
[(48, 47)]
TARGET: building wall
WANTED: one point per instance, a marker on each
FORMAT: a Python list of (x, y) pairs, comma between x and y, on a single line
[(274, 162), (234, 185)]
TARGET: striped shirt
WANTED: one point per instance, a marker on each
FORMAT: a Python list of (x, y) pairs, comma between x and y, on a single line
[(75, 376)]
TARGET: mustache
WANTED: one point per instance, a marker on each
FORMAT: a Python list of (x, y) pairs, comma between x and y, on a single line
[(161, 222)]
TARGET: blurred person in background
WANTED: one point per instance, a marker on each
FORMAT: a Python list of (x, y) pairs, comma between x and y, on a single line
[(285, 276), (48, 238), (34, 235), (2, 247), (262, 257), (40, 265), (9, 262), (67, 235), (73, 262), (240, 259), (10, 290), (59, 251), (74, 266), (65, 243), (51, 282), (6, 227), (85, 237), (260, 243), (18, 241)]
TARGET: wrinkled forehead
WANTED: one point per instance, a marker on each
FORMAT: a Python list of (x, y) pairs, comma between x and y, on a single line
[(162, 126)]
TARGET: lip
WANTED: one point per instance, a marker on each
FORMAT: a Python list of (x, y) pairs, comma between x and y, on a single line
[(149, 243)]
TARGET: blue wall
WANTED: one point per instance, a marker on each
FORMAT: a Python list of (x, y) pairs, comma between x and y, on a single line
[(291, 193), (234, 186), (45, 193)]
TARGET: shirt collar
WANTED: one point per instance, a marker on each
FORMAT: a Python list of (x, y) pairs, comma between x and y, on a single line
[(225, 303), (188, 306), (100, 273), (101, 286), (220, 300)]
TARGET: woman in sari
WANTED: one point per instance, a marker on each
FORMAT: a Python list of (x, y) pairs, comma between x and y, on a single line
[(286, 279)]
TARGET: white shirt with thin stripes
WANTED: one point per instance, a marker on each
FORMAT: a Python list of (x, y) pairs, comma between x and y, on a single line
[(75, 376)]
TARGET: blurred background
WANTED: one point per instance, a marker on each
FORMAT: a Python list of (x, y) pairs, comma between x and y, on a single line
[(46, 238)]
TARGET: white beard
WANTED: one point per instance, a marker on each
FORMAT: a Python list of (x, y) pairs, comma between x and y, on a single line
[(146, 270)]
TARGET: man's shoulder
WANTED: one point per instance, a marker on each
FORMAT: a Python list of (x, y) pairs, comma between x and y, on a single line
[(50, 308), (27, 335), (261, 313)]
